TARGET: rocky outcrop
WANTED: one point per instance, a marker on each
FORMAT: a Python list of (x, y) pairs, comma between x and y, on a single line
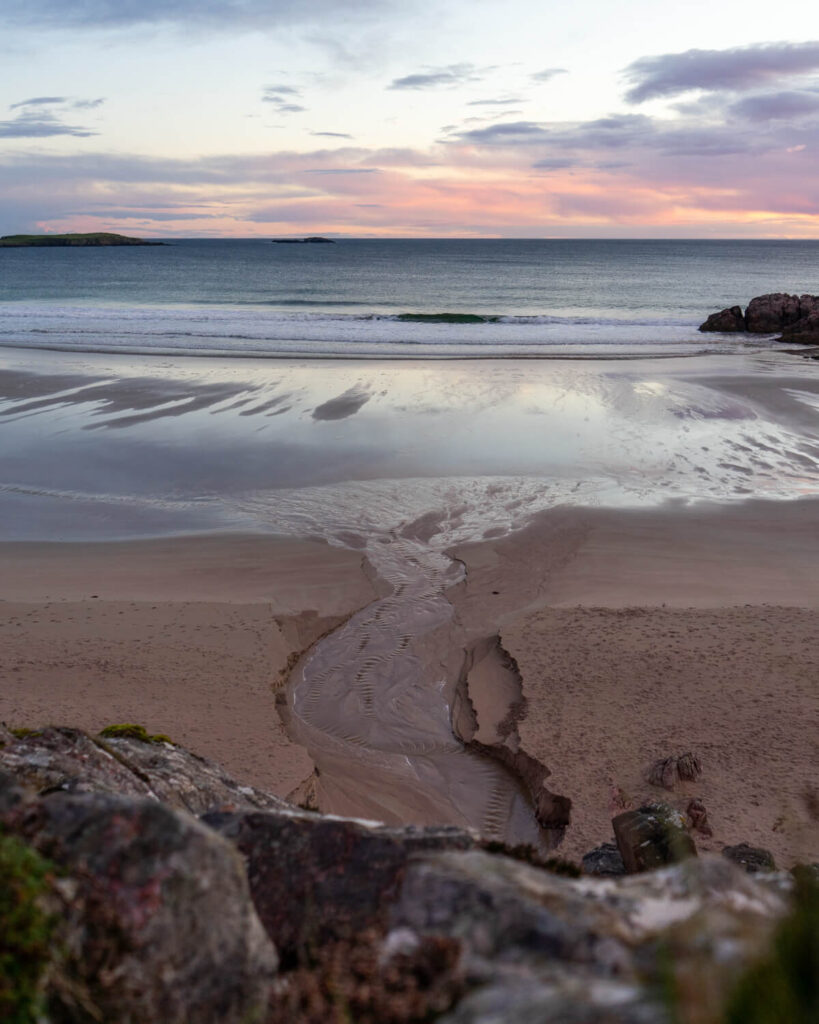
[(605, 860), (796, 316), (726, 321), (752, 858), (317, 880), (651, 837), (71, 761), (804, 331), (158, 916), (155, 917), (768, 313), (668, 770), (543, 948)]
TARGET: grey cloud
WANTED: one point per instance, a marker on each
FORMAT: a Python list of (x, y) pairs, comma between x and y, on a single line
[(547, 74), (223, 14), (88, 104), (333, 135), (39, 124), (495, 103), (452, 74), (705, 142), (740, 68), (39, 101), (777, 106), (554, 164), (616, 131), (281, 98), (612, 132), (560, 144), (613, 165), (513, 133), (144, 212), (47, 171), (277, 91), (341, 170)]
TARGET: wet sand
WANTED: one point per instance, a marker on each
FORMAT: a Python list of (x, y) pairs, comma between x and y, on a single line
[(398, 464)]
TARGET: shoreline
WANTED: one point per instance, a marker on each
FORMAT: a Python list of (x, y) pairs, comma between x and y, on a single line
[(298, 355)]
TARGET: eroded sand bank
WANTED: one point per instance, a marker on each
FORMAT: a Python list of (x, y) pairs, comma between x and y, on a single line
[(645, 634)]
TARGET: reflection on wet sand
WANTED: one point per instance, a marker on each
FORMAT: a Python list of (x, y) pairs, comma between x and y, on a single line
[(400, 462), (216, 432)]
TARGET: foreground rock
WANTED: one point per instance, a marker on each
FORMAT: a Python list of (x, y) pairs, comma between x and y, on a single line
[(157, 916), (543, 948), (71, 761), (796, 316), (316, 880)]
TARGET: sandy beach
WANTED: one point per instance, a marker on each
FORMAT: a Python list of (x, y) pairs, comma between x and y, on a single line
[(614, 563), (640, 635), (187, 636)]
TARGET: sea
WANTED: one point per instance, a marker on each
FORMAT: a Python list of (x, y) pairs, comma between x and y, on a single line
[(396, 298)]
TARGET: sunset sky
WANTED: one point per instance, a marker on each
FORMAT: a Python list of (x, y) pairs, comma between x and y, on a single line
[(371, 117)]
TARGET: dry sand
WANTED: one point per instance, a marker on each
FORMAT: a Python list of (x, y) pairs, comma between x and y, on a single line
[(645, 634), (186, 636)]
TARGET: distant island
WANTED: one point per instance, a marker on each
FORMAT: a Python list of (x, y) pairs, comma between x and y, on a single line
[(313, 239), (94, 238)]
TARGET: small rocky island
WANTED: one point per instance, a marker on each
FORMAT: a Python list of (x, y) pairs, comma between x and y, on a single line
[(93, 238), (312, 240), (795, 316)]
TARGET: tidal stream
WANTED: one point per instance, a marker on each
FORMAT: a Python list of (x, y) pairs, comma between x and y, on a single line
[(371, 702)]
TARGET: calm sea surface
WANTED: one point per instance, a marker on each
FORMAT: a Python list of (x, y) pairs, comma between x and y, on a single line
[(253, 298)]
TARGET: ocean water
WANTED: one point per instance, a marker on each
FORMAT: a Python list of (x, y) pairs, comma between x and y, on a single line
[(534, 298)]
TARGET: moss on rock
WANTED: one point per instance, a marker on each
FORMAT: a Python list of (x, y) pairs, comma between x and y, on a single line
[(785, 985), (23, 732), (130, 731), (26, 929)]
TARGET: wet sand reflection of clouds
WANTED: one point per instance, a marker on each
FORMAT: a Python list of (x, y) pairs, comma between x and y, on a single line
[(212, 431)]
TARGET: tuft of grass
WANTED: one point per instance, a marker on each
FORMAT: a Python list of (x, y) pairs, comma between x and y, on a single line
[(130, 731), (22, 732), (26, 929), (784, 987)]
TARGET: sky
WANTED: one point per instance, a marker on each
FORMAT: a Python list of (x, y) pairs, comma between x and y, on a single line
[(529, 118)]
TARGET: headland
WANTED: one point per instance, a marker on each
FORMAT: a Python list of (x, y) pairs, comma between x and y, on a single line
[(95, 238)]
